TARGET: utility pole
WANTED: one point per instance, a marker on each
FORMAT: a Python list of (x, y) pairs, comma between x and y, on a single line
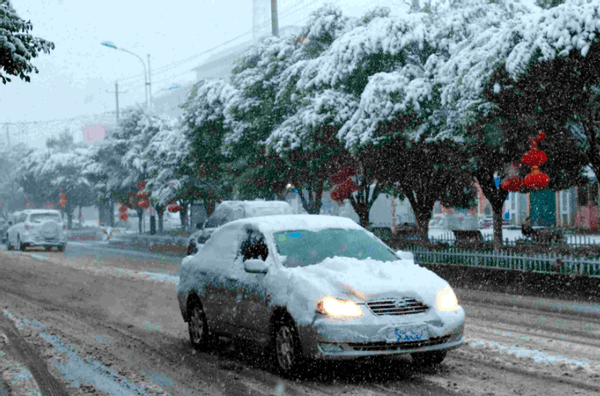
[(149, 82), (274, 18), (117, 97)]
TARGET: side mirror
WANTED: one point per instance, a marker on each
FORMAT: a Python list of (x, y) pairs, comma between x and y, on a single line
[(256, 266), (404, 255)]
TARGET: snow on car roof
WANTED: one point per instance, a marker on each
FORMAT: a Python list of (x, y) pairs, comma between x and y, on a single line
[(278, 223), (257, 208), (40, 211)]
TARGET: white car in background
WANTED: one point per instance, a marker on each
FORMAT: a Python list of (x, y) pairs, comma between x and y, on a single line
[(228, 211), (316, 287), (37, 228)]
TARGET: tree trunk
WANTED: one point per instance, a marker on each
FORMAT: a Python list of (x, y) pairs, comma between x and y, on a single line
[(497, 226), (140, 214), (422, 205), (160, 211), (183, 216), (101, 213), (112, 213), (80, 216), (363, 201), (497, 197), (69, 218), (315, 196)]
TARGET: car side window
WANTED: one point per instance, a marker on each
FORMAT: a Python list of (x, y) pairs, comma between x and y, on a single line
[(254, 247)]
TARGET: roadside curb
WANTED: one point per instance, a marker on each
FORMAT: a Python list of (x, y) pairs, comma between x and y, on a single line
[(162, 248)]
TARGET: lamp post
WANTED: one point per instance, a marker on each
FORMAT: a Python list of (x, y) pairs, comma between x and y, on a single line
[(110, 44), (173, 86)]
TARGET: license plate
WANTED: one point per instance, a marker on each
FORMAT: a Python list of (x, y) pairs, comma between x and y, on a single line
[(406, 334)]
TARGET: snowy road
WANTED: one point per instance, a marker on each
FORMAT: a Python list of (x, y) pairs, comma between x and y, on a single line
[(107, 324)]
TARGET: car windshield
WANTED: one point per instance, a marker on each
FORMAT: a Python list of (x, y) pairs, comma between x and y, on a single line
[(41, 217), (300, 248)]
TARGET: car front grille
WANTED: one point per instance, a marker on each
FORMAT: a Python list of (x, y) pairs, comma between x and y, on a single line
[(392, 306), (397, 346)]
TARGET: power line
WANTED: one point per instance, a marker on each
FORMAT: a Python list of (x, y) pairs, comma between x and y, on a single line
[(55, 120), (165, 68)]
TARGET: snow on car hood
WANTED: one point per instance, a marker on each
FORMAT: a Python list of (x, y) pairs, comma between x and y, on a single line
[(353, 279)]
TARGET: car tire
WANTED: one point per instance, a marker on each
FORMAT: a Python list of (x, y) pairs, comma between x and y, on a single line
[(61, 248), (287, 351), (21, 246), (200, 337), (48, 248), (432, 358)]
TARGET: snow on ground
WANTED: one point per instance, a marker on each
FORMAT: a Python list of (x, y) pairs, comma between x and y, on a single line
[(536, 355), (512, 235)]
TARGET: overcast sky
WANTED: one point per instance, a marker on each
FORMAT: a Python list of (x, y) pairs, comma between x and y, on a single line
[(74, 78)]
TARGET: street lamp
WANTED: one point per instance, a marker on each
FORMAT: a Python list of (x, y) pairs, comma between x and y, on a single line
[(174, 86), (110, 44)]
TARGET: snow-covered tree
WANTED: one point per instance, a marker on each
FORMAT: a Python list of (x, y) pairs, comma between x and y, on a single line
[(11, 195), (17, 46), (253, 112), (306, 139), (207, 168), (529, 73), (46, 173)]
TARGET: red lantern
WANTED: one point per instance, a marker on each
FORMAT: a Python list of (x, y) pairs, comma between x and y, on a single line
[(541, 136), (335, 195), (342, 175), (347, 187), (124, 216), (143, 204), (140, 185), (173, 208), (536, 180), (512, 184), (534, 157), (142, 195), (62, 196), (123, 209)]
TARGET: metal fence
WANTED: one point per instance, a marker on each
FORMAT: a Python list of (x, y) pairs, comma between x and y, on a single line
[(570, 240), (544, 263)]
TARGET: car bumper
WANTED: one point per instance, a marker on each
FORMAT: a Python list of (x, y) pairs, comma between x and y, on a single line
[(330, 339), (29, 241)]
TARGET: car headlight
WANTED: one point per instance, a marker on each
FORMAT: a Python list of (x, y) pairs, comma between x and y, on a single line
[(337, 308), (446, 300)]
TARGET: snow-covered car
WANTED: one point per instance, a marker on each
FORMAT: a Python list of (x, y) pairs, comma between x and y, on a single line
[(316, 287), (229, 211), (37, 227)]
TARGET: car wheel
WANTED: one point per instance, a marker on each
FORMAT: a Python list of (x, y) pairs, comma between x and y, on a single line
[(20, 245), (190, 249), (286, 347), (429, 358), (198, 326)]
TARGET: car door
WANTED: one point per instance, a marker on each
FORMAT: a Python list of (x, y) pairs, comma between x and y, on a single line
[(219, 278), (254, 311)]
